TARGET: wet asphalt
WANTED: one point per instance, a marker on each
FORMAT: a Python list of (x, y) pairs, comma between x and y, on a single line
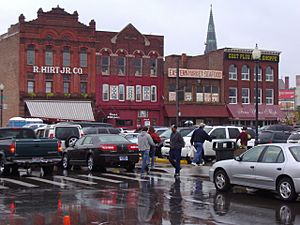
[(121, 198)]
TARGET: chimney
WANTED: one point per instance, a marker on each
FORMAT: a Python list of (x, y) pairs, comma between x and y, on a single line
[(184, 60), (286, 83)]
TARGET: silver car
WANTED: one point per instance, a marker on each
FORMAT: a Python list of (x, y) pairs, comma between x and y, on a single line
[(274, 167)]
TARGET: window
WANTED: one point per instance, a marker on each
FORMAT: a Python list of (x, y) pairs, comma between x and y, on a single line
[(105, 92), (269, 96), (137, 65), (146, 93), (245, 72), (153, 67), (87, 140), (215, 94), (273, 154), (172, 92), (124, 123), (121, 92), (218, 133), (138, 92), (83, 57), (259, 74), (30, 83), (66, 57), (143, 113), (233, 133), (199, 94), (245, 95), (253, 154), (66, 84), (153, 93), (30, 55), (269, 74), (130, 93), (232, 75), (83, 84), (105, 61), (114, 92), (49, 82), (232, 95), (295, 152), (259, 95), (121, 65), (49, 56)]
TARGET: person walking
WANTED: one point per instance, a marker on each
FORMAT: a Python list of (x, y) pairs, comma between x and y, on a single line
[(176, 144), (144, 143), (156, 140), (199, 136), (244, 137)]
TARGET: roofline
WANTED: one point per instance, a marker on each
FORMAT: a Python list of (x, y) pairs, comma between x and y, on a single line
[(249, 50)]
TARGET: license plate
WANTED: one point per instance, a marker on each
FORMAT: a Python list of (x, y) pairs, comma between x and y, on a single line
[(36, 159), (123, 158)]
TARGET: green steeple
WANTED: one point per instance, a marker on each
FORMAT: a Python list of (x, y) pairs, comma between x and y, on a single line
[(211, 40)]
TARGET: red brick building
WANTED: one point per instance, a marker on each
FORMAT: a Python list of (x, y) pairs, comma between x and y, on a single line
[(219, 87), (55, 68)]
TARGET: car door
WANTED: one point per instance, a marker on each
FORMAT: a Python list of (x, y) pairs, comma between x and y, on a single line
[(217, 134), (242, 171), (269, 167), (83, 149), (73, 152)]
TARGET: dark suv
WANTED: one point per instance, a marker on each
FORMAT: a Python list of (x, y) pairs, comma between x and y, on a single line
[(271, 136)]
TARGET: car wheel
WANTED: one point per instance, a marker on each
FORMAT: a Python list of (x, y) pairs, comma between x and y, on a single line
[(130, 167), (221, 180), (286, 189), (90, 163), (48, 170), (285, 214), (65, 162), (71, 141)]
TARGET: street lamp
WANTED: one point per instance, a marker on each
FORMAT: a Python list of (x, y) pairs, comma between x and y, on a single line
[(256, 54), (1, 103), (177, 93)]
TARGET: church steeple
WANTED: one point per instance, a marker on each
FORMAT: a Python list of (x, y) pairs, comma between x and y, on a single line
[(211, 40)]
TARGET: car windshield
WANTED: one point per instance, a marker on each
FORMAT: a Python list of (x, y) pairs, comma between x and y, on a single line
[(166, 134), (295, 136), (112, 139), (295, 150), (160, 131), (16, 133)]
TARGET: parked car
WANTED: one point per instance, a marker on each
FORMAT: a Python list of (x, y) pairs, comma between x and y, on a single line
[(279, 127), (132, 137), (67, 133), (101, 130), (294, 137), (160, 130), (34, 126), (98, 151), (19, 147), (271, 136), (274, 167), (91, 124)]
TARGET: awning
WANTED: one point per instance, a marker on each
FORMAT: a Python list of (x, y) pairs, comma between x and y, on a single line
[(247, 112), (63, 110), (194, 110)]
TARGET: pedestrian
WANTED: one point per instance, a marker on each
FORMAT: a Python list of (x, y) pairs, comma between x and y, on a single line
[(145, 142), (244, 137), (156, 140), (199, 136), (176, 144)]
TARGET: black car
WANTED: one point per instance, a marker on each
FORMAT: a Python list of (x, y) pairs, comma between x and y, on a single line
[(98, 151), (101, 130), (271, 136)]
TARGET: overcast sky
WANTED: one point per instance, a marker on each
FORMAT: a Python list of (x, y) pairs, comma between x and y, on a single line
[(274, 25)]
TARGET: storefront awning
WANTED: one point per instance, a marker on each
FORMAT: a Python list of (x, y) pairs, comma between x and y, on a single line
[(193, 110), (61, 110), (247, 112)]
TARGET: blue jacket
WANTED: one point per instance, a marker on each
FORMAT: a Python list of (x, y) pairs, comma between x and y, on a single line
[(200, 135)]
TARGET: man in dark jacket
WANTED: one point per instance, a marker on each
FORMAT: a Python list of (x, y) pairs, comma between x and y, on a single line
[(199, 136), (176, 144)]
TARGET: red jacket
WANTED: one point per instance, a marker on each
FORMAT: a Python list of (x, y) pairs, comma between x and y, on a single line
[(155, 137), (244, 138)]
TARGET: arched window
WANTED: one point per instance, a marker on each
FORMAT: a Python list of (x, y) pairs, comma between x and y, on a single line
[(232, 72), (269, 74), (49, 56), (83, 57), (121, 65), (259, 74), (245, 72), (30, 55), (66, 56)]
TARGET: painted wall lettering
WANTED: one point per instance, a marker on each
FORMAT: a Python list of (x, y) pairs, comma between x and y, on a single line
[(57, 70)]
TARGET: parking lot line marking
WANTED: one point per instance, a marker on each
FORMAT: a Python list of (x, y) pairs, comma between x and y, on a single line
[(197, 201), (124, 177), (101, 178), (18, 182), (161, 178), (47, 181), (75, 180), (3, 187)]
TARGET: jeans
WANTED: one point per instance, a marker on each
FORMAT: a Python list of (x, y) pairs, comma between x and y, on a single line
[(174, 158), (145, 160), (198, 154), (152, 155)]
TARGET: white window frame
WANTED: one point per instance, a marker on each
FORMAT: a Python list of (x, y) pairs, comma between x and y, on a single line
[(146, 89), (245, 99), (114, 97), (153, 70), (140, 71), (105, 92), (245, 76), (138, 93), (232, 97), (270, 77), (270, 100), (153, 94), (121, 92), (120, 72), (103, 71), (130, 89), (232, 75), (259, 95)]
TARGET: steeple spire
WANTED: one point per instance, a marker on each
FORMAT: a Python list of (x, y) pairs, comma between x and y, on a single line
[(211, 40)]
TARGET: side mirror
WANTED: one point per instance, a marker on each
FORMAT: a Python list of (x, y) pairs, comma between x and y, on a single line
[(238, 158)]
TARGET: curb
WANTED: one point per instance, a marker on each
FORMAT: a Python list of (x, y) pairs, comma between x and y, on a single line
[(162, 160)]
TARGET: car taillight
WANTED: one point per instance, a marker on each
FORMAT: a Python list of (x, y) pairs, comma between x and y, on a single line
[(51, 136), (270, 141), (133, 147), (12, 148), (108, 147), (59, 147)]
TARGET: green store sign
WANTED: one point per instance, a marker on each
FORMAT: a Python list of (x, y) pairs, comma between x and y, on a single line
[(248, 56)]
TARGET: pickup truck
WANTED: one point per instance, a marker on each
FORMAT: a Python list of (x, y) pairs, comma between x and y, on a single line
[(19, 147)]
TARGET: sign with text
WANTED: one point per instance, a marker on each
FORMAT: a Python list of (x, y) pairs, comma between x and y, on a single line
[(248, 56), (287, 94), (196, 73), (57, 70)]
